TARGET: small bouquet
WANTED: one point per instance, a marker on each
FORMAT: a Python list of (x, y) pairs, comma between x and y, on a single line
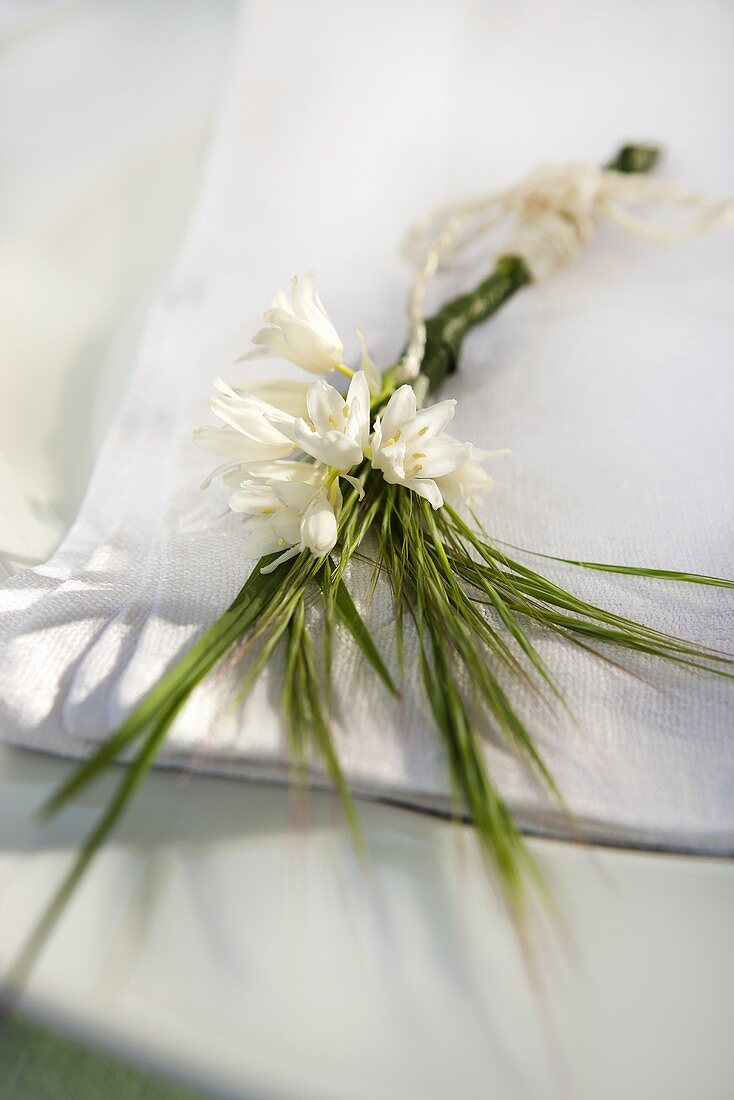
[(325, 477)]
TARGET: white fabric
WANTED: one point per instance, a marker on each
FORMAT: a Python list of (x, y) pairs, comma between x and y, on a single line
[(611, 383)]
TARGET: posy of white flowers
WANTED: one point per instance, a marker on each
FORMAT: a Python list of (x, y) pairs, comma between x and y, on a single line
[(289, 444)]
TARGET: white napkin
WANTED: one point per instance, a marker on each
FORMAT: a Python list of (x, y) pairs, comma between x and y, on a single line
[(612, 384)]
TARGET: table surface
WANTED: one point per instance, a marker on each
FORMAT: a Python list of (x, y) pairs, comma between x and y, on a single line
[(221, 936)]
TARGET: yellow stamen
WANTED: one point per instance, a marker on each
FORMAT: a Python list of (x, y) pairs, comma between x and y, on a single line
[(281, 542), (345, 411), (394, 438), (333, 422), (418, 454), (267, 511), (423, 430)]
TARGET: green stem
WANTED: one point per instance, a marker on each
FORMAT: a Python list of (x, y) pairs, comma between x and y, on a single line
[(447, 329)]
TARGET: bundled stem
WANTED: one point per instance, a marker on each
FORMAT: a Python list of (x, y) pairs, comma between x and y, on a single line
[(448, 328)]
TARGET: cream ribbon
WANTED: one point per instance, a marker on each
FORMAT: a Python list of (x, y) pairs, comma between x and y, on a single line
[(552, 214)]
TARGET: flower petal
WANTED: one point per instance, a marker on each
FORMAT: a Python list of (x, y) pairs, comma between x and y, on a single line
[(370, 368), (356, 484), (260, 539), (228, 443), (254, 500), (287, 526), (283, 393), (333, 449), (285, 470), (319, 527), (325, 407), (465, 485), (255, 419), (286, 556), (269, 344), (295, 494), (358, 404), (427, 488), (338, 451), (432, 420), (399, 409), (443, 455)]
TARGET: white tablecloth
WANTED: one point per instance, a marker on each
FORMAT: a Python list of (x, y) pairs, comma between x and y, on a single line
[(611, 384)]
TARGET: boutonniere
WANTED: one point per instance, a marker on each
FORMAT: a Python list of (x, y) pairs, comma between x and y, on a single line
[(326, 476)]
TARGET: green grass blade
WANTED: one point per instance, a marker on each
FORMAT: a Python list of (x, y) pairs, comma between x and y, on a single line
[(133, 775), (630, 570), (177, 684), (350, 617)]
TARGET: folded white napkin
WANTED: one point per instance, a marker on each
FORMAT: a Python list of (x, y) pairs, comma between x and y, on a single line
[(612, 385)]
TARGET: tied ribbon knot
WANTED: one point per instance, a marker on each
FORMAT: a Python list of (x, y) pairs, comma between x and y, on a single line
[(551, 215)]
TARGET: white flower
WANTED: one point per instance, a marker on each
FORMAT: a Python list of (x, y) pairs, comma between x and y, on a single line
[(248, 437), (464, 486), (409, 446), (299, 329), (337, 430), (291, 516)]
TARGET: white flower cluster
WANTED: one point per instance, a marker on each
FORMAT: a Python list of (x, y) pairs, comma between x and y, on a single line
[(288, 444)]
